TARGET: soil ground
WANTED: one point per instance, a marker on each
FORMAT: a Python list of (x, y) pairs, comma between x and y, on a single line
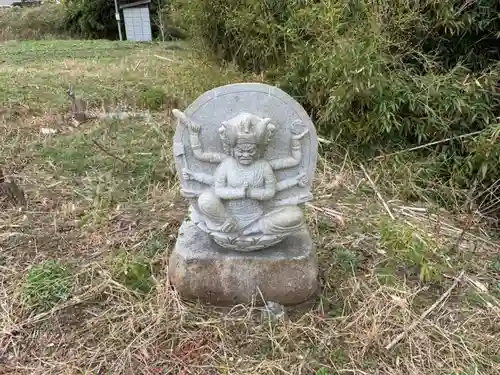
[(406, 287)]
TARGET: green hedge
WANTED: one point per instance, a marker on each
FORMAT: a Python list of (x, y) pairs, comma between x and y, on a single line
[(376, 75)]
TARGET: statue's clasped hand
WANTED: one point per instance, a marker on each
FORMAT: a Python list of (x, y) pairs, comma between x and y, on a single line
[(246, 190), (194, 127)]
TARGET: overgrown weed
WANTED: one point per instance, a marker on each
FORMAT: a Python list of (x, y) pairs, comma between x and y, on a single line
[(44, 22), (407, 245), (116, 223), (132, 271), (397, 75)]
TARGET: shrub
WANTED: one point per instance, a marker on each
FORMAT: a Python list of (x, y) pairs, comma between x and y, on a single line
[(94, 19), (44, 22), (152, 98), (376, 75)]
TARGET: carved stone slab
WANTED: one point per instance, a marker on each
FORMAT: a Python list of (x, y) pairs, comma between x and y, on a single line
[(222, 103), (220, 120)]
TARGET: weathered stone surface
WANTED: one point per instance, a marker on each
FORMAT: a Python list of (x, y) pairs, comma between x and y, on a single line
[(245, 156), (285, 273)]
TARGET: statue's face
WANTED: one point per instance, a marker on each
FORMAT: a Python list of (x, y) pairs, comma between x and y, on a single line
[(245, 153)]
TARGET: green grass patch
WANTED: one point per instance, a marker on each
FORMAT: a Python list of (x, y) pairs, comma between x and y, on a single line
[(123, 158), (347, 260), (133, 271), (120, 73), (414, 249), (495, 264), (482, 299), (155, 245), (46, 284), (153, 98)]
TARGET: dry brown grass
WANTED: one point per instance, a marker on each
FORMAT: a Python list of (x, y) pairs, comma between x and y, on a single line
[(86, 209)]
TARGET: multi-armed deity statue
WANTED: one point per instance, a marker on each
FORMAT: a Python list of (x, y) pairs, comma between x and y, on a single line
[(232, 208), (245, 156)]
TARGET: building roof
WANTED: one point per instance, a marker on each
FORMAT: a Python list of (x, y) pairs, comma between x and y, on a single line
[(132, 3)]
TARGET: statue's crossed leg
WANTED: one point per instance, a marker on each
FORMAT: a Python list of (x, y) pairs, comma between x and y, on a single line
[(280, 220)]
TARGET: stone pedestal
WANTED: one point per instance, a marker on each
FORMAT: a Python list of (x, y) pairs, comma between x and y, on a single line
[(285, 273)]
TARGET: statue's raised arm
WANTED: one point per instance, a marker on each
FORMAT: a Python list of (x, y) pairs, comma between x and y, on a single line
[(194, 139), (245, 156), (296, 155)]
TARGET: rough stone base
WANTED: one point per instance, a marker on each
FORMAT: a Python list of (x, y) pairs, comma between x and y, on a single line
[(201, 269)]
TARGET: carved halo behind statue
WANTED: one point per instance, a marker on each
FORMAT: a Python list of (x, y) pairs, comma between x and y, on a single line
[(245, 165)]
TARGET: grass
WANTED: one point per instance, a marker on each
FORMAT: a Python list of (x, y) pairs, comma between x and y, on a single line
[(84, 283), (47, 284)]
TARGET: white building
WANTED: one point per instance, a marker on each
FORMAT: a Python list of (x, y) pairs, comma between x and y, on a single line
[(137, 20), (6, 3)]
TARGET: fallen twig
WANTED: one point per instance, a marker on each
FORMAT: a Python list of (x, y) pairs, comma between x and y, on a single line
[(427, 145), (164, 58), (425, 313), (323, 140), (107, 152), (450, 228), (328, 212), (377, 192)]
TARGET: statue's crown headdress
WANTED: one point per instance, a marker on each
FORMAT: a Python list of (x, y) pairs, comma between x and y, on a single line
[(245, 131), (246, 128)]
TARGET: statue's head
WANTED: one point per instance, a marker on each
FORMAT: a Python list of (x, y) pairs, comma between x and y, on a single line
[(246, 136), (245, 153)]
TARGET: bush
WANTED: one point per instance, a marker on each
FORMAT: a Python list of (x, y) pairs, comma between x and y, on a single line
[(44, 22), (95, 19), (376, 75), (153, 98)]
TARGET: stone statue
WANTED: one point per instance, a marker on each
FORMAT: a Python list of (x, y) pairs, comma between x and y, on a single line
[(245, 156), (231, 208)]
